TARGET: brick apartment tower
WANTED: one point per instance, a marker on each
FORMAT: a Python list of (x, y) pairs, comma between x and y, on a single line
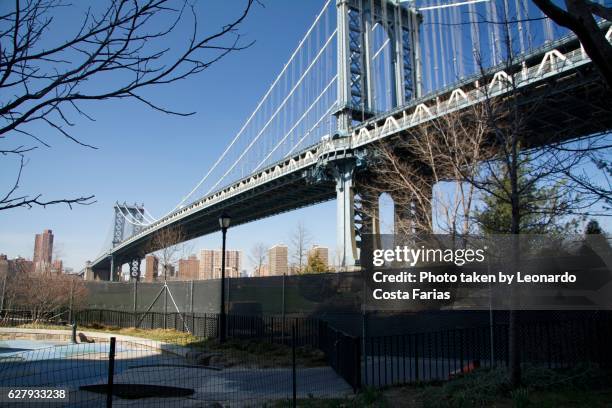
[(43, 250), (210, 264), (57, 266), (151, 268), (188, 269), (277, 260)]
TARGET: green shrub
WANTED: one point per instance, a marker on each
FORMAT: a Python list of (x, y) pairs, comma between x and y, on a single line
[(520, 398), (475, 389)]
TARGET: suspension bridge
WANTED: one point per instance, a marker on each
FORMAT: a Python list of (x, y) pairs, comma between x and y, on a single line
[(365, 71)]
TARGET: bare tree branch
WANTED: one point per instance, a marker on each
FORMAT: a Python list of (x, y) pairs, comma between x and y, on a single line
[(118, 50), (579, 18)]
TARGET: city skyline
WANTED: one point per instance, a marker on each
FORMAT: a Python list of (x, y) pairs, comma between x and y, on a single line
[(44, 258), (83, 230), (207, 264)]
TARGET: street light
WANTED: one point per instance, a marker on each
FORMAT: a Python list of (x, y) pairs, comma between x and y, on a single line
[(224, 223)]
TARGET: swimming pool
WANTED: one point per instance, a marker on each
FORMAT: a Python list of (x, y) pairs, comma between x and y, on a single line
[(36, 363), (16, 346)]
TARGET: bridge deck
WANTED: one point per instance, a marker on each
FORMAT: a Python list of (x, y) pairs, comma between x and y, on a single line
[(561, 74)]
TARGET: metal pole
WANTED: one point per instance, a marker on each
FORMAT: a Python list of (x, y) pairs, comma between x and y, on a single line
[(222, 305), (74, 332), (165, 305), (112, 268), (228, 298), (283, 306), (191, 297), (293, 366), (71, 302), (111, 373), (491, 321), (135, 299), (3, 291), (191, 305)]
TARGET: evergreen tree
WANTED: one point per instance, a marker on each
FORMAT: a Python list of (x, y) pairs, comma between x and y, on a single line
[(543, 209), (315, 264), (593, 228)]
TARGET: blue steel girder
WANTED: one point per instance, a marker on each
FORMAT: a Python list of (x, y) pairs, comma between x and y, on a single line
[(574, 84), (356, 77)]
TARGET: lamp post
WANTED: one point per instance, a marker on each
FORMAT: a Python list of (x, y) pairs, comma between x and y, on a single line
[(224, 223)]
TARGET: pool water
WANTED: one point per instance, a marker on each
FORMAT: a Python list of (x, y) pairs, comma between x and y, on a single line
[(32, 350), (16, 346)]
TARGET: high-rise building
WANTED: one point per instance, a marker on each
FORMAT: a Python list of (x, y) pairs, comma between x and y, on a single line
[(277, 260), (188, 269), (43, 250), (321, 252), (210, 263), (262, 270), (151, 268), (4, 265), (20, 265), (57, 266)]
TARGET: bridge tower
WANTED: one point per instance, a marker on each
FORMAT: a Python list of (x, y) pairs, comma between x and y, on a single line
[(356, 81), (356, 21), (124, 211)]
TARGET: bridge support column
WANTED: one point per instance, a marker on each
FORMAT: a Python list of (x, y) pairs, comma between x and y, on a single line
[(111, 274), (345, 213), (412, 217), (367, 218), (422, 210)]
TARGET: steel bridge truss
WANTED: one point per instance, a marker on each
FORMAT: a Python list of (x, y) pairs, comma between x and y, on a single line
[(356, 83), (334, 160)]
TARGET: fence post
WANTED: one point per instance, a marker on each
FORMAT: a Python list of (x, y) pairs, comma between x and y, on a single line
[(293, 366), (191, 296), (283, 308), (135, 301), (74, 332), (3, 291), (111, 373), (71, 301), (357, 363), (416, 358), (364, 351)]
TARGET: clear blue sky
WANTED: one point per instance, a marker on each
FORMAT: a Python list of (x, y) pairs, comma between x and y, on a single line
[(149, 157)]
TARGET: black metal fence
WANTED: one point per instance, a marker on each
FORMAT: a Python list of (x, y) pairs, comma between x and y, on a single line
[(440, 355), (343, 354), (382, 360)]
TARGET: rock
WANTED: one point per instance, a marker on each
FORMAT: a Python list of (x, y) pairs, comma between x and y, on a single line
[(200, 358), (216, 361)]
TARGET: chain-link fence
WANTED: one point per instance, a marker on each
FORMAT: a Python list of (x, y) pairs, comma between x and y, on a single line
[(148, 373)]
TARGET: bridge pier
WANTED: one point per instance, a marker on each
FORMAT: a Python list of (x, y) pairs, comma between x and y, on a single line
[(344, 172), (367, 217), (412, 217), (112, 268)]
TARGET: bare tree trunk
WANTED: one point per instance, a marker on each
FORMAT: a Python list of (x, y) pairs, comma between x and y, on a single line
[(579, 19)]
